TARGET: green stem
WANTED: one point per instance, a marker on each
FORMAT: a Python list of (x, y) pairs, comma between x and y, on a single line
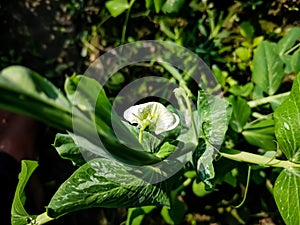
[(292, 49), (186, 183), (42, 219), (242, 156), (266, 100), (141, 135), (246, 189), (126, 22), (175, 73), (145, 125)]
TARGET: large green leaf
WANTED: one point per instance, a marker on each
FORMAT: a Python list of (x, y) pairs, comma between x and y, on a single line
[(214, 114), (287, 132), (22, 80), (260, 133), (288, 40), (105, 183), (89, 96), (287, 123), (287, 196), (26, 92), (268, 69), (19, 214), (241, 112)]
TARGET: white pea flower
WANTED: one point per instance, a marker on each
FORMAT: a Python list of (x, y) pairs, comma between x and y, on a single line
[(153, 115)]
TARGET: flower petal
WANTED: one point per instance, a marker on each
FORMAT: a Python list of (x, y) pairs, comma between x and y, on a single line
[(159, 118), (167, 121)]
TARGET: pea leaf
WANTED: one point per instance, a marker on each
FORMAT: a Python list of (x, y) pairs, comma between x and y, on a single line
[(20, 86), (117, 7), (241, 90), (268, 69), (29, 83), (19, 214), (287, 123), (67, 149), (243, 53), (288, 40), (287, 195), (172, 6), (241, 112), (214, 113), (166, 149), (158, 4), (287, 132), (260, 133), (105, 183), (295, 61), (247, 30), (88, 95), (203, 162), (135, 216)]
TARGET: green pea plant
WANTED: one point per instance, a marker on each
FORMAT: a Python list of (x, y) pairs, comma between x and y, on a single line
[(113, 174)]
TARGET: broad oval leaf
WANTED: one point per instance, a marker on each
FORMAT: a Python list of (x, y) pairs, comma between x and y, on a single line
[(105, 183), (26, 82), (26, 92), (88, 95), (241, 112), (214, 114), (287, 124), (288, 40), (268, 68), (260, 133), (287, 196)]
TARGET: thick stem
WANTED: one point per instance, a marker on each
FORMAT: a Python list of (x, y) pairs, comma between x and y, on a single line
[(292, 49), (175, 73), (257, 159), (266, 100), (42, 219)]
